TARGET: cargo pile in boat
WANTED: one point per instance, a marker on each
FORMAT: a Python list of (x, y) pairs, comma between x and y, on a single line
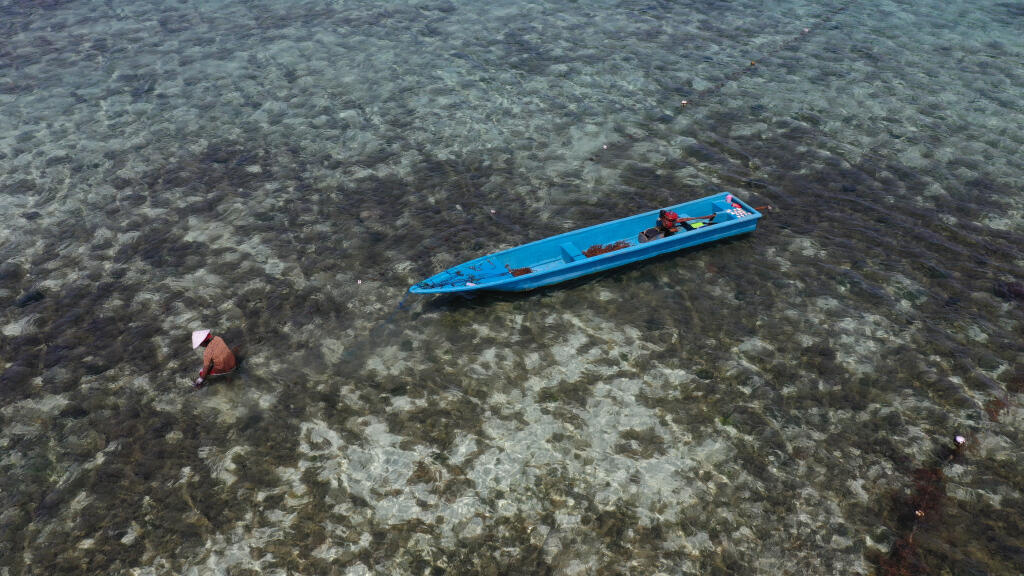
[(598, 249), (518, 271)]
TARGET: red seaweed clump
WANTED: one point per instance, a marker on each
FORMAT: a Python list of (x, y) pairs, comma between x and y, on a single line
[(929, 490), (1016, 384), (904, 558), (1009, 290), (518, 271), (994, 407), (598, 249)]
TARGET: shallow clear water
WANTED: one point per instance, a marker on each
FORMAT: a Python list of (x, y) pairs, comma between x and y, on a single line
[(282, 172)]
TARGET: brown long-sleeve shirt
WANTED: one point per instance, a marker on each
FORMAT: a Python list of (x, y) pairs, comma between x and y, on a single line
[(220, 355)]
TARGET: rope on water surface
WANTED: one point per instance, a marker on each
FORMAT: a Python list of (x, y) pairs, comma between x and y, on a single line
[(803, 35), (710, 93), (166, 363), (821, 22), (928, 483), (390, 316), (830, 144)]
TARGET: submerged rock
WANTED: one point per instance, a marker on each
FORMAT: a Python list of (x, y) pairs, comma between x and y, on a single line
[(1009, 290), (16, 376), (29, 297), (11, 272)]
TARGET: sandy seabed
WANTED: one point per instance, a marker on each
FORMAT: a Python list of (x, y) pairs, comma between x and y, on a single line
[(282, 172)]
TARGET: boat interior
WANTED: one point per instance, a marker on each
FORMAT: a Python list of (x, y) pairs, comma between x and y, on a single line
[(570, 247), (573, 247)]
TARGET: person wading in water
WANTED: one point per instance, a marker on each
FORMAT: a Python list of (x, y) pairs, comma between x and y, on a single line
[(217, 358)]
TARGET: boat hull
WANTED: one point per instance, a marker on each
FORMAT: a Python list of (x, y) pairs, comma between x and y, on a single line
[(564, 257)]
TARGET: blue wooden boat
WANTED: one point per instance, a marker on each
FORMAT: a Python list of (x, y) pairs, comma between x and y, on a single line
[(596, 248)]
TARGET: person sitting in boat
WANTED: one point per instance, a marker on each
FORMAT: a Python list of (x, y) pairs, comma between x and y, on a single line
[(667, 225), (217, 358), (668, 222)]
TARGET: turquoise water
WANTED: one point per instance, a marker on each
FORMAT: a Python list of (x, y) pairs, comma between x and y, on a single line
[(282, 172)]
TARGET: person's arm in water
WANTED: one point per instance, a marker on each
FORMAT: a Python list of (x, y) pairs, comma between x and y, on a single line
[(206, 369), (203, 374)]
